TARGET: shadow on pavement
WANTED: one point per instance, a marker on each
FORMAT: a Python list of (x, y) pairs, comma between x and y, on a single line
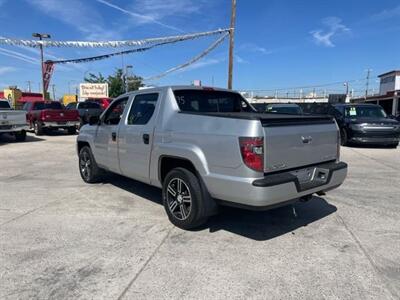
[(265, 225), (6, 139), (260, 226)]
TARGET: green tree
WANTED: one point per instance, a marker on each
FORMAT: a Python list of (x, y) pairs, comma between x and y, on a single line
[(93, 78), (116, 83)]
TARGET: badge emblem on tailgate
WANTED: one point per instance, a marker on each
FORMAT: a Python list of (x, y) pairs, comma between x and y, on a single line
[(306, 139)]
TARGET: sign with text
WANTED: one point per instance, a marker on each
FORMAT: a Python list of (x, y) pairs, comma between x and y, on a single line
[(93, 90)]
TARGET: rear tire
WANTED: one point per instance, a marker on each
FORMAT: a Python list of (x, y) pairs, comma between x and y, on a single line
[(20, 136), (88, 168), (38, 128), (71, 130), (183, 199)]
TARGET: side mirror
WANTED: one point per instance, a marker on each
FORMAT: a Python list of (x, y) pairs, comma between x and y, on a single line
[(94, 120)]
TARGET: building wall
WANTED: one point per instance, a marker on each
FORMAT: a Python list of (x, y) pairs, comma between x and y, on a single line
[(389, 83)]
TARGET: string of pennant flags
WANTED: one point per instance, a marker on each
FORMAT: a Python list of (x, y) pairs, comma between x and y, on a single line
[(141, 46), (105, 56), (109, 44), (190, 62)]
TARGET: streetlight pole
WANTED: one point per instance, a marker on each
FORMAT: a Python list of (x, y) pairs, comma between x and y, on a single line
[(231, 43), (42, 36), (126, 77)]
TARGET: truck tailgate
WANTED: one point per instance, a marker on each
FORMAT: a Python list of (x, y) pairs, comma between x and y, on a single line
[(11, 117), (60, 115), (293, 143)]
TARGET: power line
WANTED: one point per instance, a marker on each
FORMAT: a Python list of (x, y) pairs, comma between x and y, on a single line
[(304, 87)]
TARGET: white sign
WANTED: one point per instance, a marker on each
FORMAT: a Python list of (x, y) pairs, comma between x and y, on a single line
[(93, 90)]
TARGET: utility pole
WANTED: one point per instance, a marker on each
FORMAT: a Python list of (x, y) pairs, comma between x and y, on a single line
[(54, 92), (42, 36), (231, 43), (29, 86), (367, 82)]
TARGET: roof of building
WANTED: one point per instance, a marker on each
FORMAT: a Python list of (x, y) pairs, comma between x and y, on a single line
[(394, 72)]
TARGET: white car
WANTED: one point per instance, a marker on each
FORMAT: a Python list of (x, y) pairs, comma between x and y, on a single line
[(12, 121)]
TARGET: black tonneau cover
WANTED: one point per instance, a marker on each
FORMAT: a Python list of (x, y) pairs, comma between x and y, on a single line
[(271, 119)]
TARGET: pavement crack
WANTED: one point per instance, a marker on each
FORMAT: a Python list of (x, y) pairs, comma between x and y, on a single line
[(28, 212), (145, 264), (389, 287), (375, 160)]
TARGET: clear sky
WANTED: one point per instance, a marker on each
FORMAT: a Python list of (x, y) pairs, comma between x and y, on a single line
[(279, 44)]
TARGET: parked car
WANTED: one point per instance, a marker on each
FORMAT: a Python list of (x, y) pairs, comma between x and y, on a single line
[(366, 124), (86, 110), (207, 147), (260, 107), (280, 108), (104, 102), (284, 108), (42, 116), (12, 121)]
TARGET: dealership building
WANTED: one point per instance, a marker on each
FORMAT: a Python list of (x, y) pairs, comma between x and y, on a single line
[(389, 93)]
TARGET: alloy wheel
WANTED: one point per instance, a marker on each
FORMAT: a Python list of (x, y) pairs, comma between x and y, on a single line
[(85, 165), (179, 199)]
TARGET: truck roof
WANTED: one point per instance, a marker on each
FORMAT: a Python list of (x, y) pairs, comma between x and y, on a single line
[(180, 87)]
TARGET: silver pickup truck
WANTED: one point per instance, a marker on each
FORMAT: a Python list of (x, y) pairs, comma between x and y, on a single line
[(12, 121), (207, 147)]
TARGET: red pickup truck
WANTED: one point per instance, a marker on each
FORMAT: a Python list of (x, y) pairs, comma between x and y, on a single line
[(42, 116)]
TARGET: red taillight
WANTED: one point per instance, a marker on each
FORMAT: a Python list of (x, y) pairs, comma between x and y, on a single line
[(252, 150)]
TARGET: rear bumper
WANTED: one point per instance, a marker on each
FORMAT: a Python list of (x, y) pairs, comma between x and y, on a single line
[(13, 128), (60, 124), (275, 189)]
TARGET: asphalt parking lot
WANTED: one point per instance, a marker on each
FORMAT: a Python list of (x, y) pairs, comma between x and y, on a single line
[(62, 238)]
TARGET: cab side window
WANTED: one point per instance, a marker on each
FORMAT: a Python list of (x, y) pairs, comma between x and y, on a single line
[(115, 111), (142, 110)]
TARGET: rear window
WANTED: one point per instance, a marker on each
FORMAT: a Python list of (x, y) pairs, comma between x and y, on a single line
[(49, 105), (292, 110), (4, 105), (87, 105), (210, 101)]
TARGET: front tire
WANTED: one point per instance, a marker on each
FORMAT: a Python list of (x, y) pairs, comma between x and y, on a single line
[(183, 199), (38, 129), (88, 168), (20, 136)]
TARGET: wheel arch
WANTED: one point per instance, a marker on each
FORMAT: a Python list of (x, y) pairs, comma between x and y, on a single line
[(81, 144), (166, 163)]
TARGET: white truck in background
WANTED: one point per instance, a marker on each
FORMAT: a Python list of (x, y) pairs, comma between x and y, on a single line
[(12, 121)]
